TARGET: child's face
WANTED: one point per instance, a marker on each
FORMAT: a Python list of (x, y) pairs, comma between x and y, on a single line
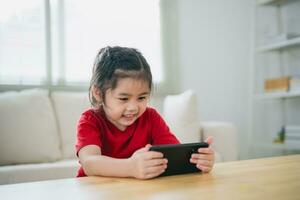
[(127, 102)]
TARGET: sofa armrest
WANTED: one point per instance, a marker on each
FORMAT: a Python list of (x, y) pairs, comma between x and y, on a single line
[(21, 173), (225, 138)]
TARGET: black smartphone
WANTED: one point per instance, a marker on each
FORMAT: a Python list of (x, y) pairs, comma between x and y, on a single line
[(178, 156)]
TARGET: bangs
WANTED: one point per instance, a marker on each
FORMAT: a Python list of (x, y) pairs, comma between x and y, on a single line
[(134, 74)]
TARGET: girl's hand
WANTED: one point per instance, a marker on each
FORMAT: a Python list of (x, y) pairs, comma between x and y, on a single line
[(205, 159), (147, 164)]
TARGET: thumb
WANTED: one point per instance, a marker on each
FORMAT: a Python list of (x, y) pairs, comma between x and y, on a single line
[(144, 149), (209, 140), (147, 147)]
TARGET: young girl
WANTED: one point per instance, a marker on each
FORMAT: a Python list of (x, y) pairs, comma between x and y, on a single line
[(114, 137)]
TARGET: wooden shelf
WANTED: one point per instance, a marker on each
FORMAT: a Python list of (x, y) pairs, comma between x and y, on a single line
[(277, 146), (269, 2), (280, 45), (277, 95)]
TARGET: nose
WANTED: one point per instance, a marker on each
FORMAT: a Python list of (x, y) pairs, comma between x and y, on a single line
[(132, 106)]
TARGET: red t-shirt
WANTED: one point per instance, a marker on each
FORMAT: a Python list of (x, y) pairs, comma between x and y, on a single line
[(94, 129)]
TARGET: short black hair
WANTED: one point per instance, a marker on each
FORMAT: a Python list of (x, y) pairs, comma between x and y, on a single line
[(114, 63)]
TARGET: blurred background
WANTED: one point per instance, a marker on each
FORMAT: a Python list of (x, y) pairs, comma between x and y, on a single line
[(226, 51)]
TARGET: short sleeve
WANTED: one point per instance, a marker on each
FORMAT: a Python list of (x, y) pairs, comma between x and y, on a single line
[(88, 131), (161, 133)]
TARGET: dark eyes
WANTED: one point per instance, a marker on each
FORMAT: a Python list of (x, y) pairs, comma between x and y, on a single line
[(126, 99), (123, 99), (142, 98)]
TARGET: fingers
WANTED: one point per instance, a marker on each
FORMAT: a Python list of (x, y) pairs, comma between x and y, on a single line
[(204, 165), (152, 155), (204, 169), (209, 140), (156, 169), (153, 168), (198, 156), (156, 162), (204, 159), (208, 150), (154, 174), (144, 149), (203, 162), (207, 162)]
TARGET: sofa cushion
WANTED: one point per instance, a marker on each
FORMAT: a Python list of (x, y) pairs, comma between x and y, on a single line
[(28, 128), (224, 138), (68, 107), (38, 172), (181, 114)]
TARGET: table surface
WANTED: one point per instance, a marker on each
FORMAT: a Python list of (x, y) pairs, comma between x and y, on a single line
[(265, 178)]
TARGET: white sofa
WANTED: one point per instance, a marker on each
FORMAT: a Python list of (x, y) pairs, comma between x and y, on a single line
[(38, 131)]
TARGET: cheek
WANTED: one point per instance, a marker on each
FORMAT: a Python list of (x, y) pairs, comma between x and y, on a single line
[(117, 111), (143, 107), (113, 111)]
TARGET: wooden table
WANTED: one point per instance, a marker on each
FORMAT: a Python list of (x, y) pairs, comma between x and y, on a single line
[(267, 178)]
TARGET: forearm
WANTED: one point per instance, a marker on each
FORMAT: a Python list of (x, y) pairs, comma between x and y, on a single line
[(99, 165)]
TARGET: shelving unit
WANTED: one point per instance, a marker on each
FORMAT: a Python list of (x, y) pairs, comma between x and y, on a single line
[(269, 2), (271, 111), (282, 147), (277, 95), (280, 45)]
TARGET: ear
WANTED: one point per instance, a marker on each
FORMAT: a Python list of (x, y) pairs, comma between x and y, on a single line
[(96, 94)]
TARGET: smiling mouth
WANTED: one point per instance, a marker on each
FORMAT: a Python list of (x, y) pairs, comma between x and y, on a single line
[(129, 117)]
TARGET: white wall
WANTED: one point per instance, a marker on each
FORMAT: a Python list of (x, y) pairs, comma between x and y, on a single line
[(215, 57)]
